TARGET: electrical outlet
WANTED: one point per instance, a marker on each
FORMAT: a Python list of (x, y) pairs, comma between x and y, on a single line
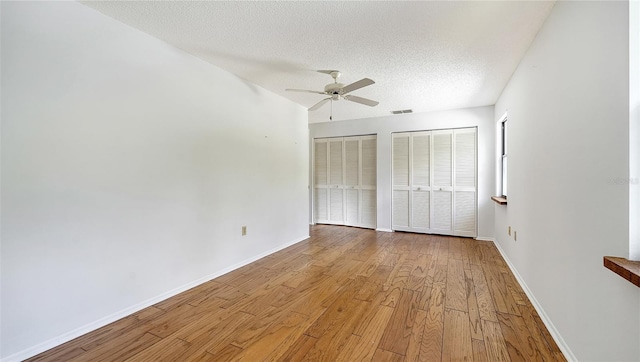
[(515, 236), (509, 232), (244, 230)]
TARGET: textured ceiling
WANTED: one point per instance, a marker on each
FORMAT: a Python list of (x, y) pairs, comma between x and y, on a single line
[(422, 55)]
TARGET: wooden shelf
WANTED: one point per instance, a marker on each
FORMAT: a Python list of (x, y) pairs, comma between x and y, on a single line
[(628, 269), (499, 200)]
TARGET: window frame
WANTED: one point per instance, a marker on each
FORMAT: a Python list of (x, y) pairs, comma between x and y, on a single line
[(503, 153)]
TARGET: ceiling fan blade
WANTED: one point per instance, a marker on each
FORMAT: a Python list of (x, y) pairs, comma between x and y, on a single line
[(365, 101), (357, 85), (319, 104), (304, 91)]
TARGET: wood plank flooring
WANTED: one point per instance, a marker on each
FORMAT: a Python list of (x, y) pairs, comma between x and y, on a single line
[(344, 294)]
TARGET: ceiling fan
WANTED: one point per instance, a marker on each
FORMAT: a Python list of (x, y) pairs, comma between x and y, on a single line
[(336, 90)]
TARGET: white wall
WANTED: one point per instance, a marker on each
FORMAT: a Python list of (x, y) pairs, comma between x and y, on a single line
[(568, 106), (481, 117), (634, 130), (128, 169)]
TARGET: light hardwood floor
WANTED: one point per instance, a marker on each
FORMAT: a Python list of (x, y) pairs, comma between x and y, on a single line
[(345, 294)]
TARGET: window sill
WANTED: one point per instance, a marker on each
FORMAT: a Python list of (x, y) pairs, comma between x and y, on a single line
[(499, 200), (628, 269)]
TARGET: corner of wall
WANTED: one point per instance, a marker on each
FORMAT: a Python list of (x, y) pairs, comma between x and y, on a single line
[(634, 130)]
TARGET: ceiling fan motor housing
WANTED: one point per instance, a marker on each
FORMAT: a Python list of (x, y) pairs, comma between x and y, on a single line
[(333, 88)]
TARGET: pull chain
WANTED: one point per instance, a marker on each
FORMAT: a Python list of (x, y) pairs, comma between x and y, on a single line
[(331, 115)]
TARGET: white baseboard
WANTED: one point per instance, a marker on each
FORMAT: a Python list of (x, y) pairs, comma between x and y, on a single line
[(484, 238), (54, 342), (384, 230), (545, 318)]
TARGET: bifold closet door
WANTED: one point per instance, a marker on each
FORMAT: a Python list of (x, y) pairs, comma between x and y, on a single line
[(420, 181), (345, 181), (352, 181), (434, 182), (465, 182), (321, 181), (412, 192), (368, 181), (442, 211), (400, 181), (336, 182)]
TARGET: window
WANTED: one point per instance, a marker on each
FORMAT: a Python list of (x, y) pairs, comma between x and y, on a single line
[(503, 156)]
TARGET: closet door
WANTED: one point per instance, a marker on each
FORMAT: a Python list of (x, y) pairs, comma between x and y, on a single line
[(420, 157), (368, 181), (336, 183), (352, 181), (434, 182), (442, 203), (321, 181), (400, 181), (465, 182), (345, 181)]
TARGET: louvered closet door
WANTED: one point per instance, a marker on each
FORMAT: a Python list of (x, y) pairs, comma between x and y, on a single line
[(465, 182), (442, 181), (336, 182), (352, 181), (434, 182), (368, 181), (420, 181), (345, 181), (400, 181), (321, 181)]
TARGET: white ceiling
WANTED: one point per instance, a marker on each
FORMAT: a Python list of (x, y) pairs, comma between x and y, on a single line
[(424, 56)]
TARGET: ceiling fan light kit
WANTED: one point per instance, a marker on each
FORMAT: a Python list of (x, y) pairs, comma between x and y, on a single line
[(336, 90)]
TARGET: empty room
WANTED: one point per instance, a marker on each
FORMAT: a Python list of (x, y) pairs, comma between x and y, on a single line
[(330, 181)]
